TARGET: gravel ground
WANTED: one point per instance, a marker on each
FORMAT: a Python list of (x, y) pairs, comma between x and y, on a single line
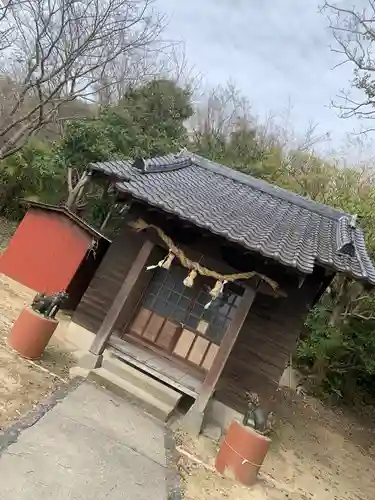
[(317, 453), (22, 383)]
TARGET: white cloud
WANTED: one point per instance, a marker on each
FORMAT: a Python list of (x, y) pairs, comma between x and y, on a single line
[(275, 50)]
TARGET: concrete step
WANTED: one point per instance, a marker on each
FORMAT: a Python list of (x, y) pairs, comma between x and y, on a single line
[(136, 377), (127, 390)]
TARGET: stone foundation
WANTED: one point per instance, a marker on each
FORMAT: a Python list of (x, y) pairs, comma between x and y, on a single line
[(220, 414), (76, 337)]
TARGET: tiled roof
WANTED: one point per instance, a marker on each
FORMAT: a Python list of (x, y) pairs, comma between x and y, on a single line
[(261, 217)]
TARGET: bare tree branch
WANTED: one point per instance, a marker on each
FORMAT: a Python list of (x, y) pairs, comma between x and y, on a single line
[(361, 316), (53, 52), (353, 30), (75, 194)]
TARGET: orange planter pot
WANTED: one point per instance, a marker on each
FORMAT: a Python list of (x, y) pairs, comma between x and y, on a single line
[(242, 454), (31, 333)]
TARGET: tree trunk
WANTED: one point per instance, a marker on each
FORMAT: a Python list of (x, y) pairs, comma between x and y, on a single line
[(348, 292), (341, 302), (106, 219), (75, 194)]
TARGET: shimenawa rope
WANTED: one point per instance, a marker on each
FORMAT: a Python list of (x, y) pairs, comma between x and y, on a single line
[(141, 225)]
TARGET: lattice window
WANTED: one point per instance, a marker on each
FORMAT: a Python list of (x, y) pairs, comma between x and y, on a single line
[(167, 296)]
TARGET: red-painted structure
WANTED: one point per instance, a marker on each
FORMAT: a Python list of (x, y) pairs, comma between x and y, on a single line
[(52, 250)]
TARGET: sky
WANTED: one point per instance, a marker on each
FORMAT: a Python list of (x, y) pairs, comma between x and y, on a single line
[(276, 51)]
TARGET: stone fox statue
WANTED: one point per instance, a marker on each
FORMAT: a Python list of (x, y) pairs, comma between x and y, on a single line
[(255, 416), (48, 305)]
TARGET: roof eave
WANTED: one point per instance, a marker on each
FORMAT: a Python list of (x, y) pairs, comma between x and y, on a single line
[(294, 267)]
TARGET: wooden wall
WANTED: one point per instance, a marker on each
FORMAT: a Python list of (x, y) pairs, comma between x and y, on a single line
[(84, 274), (266, 340), (265, 343), (108, 279)]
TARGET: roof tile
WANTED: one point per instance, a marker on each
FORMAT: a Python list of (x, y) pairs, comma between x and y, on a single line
[(262, 217)]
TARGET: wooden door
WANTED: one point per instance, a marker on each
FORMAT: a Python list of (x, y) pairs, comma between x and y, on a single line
[(152, 327), (172, 318), (174, 339)]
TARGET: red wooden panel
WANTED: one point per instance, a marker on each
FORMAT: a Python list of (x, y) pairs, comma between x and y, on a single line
[(45, 251)]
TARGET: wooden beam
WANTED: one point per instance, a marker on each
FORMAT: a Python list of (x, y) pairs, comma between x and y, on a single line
[(110, 319), (226, 346)]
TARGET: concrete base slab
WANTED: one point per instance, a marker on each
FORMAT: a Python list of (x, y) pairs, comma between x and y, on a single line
[(218, 413), (77, 371), (75, 337), (135, 393), (192, 422), (212, 431), (90, 361), (142, 380), (290, 379)]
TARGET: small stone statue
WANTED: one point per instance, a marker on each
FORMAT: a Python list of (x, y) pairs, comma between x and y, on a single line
[(49, 305), (255, 416)]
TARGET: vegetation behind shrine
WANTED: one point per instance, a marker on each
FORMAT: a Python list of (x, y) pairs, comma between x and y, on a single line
[(159, 117)]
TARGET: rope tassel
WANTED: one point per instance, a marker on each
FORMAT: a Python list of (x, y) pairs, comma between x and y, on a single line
[(165, 263), (168, 260), (216, 291), (159, 264), (189, 280)]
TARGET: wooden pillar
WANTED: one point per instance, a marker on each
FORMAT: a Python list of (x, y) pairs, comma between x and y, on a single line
[(194, 417), (110, 319)]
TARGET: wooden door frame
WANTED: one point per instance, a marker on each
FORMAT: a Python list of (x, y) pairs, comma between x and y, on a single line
[(197, 370), (169, 354), (107, 326), (180, 363), (194, 418)]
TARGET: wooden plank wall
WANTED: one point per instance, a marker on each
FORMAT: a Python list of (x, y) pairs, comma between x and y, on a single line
[(84, 274), (107, 281), (264, 345)]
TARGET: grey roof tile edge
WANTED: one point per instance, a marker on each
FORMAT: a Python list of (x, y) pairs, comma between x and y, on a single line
[(266, 187), (306, 264), (306, 268), (257, 184)]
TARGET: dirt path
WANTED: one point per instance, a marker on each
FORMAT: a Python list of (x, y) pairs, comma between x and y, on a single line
[(23, 384), (317, 453)]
